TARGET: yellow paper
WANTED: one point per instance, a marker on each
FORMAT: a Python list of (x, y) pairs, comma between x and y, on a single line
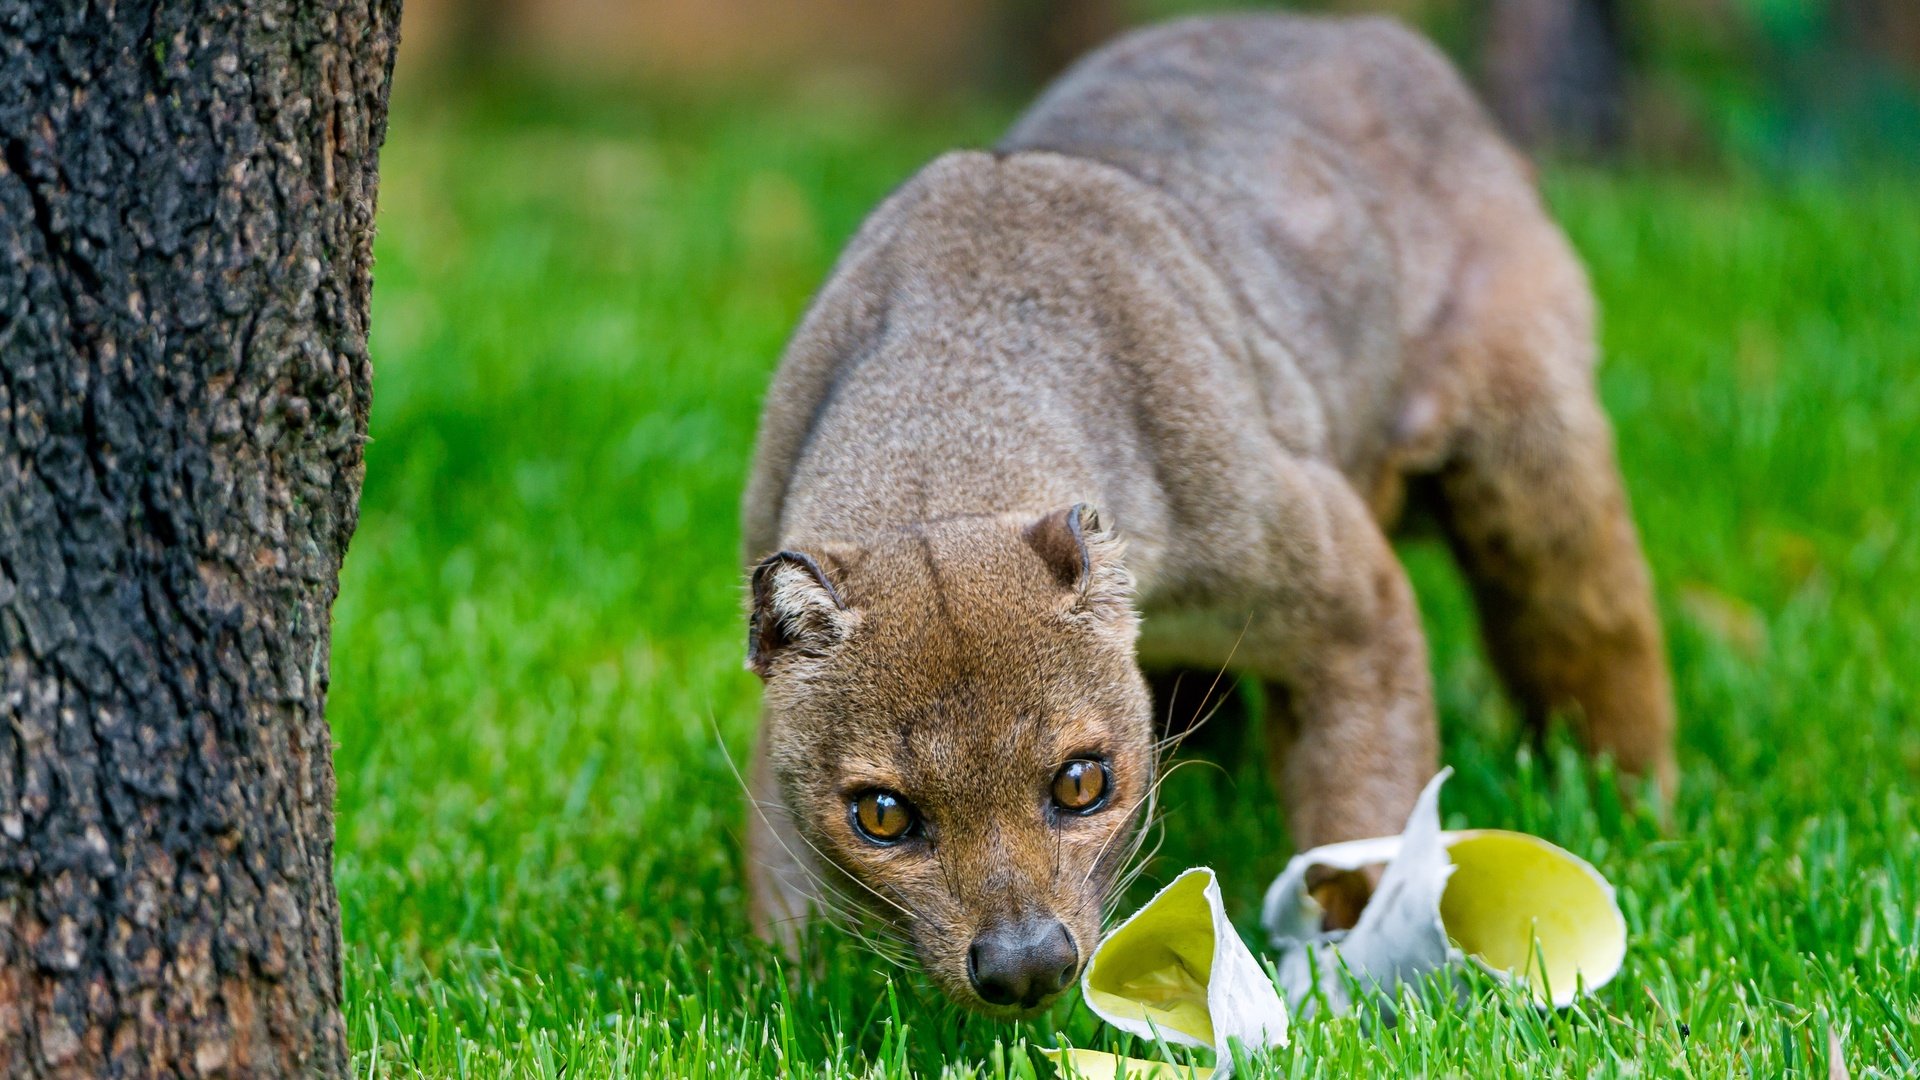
[(1509, 903), (1096, 1065), (1511, 893), (1177, 972), (1154, 967)]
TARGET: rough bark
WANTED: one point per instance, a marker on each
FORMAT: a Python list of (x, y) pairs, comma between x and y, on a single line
[(1556, 72), (186, 214)]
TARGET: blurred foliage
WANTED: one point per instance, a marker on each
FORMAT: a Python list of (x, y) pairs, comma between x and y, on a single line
[(1767, 83), (1787, 81), (1796, 84)]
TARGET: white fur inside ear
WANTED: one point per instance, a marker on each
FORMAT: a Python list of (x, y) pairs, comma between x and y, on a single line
[(1107, 591), (796, 613), (806, 612)]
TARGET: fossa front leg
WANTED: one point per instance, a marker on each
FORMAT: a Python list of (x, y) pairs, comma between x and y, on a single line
[(1351, 730)]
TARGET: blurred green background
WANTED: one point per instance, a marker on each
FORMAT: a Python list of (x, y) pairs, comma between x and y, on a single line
[(596, 232), (1796, 83)]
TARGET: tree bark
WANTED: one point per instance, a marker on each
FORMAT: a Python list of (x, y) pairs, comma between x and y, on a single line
[(186, 216)]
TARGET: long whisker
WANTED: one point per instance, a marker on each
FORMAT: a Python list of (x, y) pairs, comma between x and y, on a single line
[(841, 909), (1163, 751), (1149, 819), (802, 865), (740, 779), (1172, 742), (1135, 862), (1146, 818), (1170, 745), (889, 947), (854, 919), (1126, 880)]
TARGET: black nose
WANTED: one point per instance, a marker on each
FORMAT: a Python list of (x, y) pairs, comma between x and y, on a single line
[(1023, 962)]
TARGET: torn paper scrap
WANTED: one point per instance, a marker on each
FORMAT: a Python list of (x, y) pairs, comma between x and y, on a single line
[(1400, 935), (1098, 1065), (1514, 905), (1176, 970)]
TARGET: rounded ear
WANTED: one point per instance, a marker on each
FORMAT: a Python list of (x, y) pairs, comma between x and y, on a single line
[(1084, 556), (796, 611)]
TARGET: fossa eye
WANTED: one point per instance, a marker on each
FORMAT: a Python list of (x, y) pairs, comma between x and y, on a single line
[(883, 817), (1081, 785)]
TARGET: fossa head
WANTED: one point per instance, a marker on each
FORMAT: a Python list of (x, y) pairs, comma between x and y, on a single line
[(959, 727)]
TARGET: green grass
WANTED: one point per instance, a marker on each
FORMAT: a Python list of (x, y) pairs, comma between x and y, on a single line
[(537, 679)]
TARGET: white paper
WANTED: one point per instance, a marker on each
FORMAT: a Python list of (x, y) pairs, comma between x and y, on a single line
[(1512, 904), (1524, 910), (1399, 936)]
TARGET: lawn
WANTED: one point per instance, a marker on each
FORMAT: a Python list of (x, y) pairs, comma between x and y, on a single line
[(537, 687)]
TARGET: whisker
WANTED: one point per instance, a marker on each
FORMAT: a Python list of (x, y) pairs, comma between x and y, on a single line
[(1126, 880), (1171, 744), (1164, 768), (1099, 857), (889, 946), (1149, 819), (830, 891), (1135, 862), (740, 779), (1175, 740)]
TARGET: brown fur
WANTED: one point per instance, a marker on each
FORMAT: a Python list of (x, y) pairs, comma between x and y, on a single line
[(1236, 282)]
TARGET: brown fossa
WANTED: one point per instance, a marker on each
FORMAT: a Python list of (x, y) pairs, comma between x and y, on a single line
[(1146, 387)]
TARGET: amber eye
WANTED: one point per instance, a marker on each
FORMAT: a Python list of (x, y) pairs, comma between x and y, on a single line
[(1080, 787), (883, 817)]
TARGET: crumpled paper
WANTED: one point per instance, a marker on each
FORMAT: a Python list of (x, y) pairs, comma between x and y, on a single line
[(1099, 1065), (1400, 935), (1176, 970), (1514, 905)]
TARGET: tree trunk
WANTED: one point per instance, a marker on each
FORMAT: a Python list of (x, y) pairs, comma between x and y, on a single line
[(1036, 40), (1556, 72), (186, 214), (1883, 28)]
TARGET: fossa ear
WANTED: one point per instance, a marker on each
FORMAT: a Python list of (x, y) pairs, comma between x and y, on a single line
[(797, 611), (1084, 556)]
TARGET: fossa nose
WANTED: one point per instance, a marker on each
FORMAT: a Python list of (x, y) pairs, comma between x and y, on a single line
[(1023, 962)]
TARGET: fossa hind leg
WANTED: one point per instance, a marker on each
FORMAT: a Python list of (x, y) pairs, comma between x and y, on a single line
[(1535, 510)]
